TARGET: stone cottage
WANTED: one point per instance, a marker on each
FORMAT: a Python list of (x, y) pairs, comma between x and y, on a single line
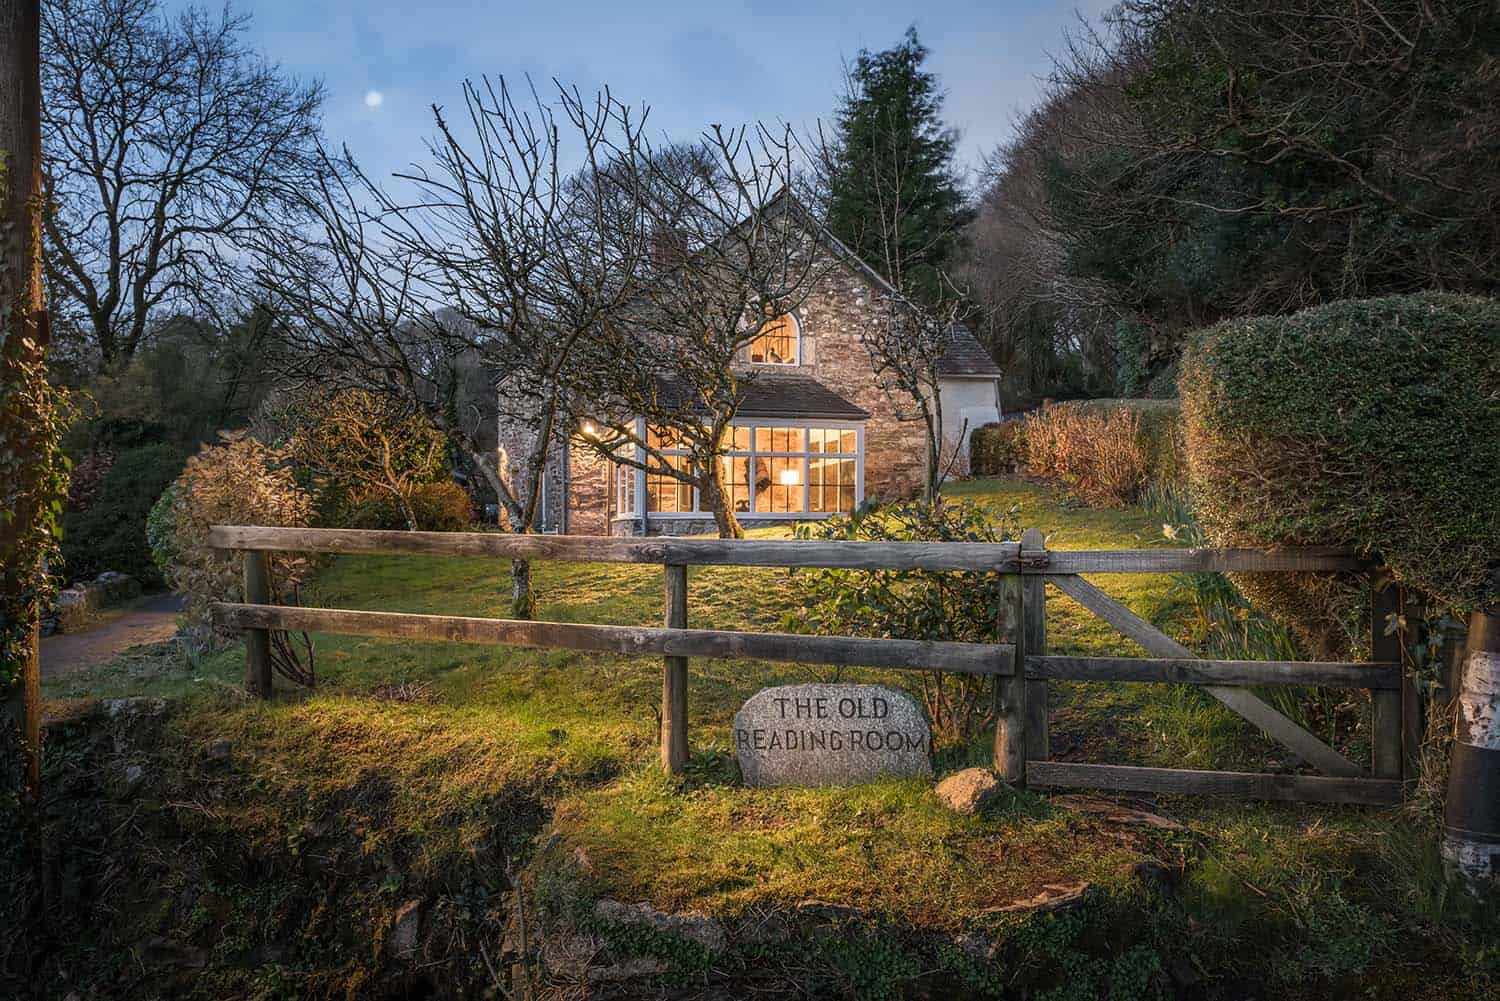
[(815, 436)]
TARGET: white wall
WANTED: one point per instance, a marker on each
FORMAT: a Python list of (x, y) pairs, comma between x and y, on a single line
[(976, 401)]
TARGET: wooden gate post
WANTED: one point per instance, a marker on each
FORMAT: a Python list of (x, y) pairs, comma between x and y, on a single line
[(674, 681), (1010, 689), (257, 641), (1034, 614), (1385, 706)]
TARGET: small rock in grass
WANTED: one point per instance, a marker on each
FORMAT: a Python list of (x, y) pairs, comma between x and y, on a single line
[(825, 911), (969, 791), (133, 776), (691, 925), (1053, 897), (1115, 812), (630, 969), (977, 946), (402, 941)]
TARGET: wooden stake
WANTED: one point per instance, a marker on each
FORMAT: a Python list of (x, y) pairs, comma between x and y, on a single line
[(1010, 690), (257, 641), (1385, 706), (1034, 594), (674, 743)]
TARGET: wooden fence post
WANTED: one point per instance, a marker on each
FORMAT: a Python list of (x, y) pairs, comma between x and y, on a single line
[(1385, 706), (674, 744), (1010, 689), (1034, 614), (257, 641)]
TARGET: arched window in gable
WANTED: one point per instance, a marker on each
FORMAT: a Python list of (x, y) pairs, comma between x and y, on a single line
[(777, 343)]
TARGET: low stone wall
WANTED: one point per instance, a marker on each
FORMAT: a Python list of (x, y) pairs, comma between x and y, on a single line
[(79, 604)]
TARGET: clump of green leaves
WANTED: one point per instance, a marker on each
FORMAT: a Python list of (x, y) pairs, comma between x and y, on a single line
[(1371, 424), (913, 604), (33, 470)]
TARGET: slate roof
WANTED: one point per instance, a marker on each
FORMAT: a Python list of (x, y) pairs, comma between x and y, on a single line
[(966, 356), (790, 395)]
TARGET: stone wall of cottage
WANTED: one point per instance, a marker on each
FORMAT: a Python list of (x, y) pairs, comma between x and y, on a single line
[(835, 313), (591, 503)]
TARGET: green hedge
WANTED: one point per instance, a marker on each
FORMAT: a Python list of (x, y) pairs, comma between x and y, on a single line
[(1372, 424), (994, 449), (111, 533)]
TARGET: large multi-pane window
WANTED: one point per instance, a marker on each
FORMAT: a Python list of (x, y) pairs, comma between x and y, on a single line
[(767, 470), (776, 344), (667, 493)]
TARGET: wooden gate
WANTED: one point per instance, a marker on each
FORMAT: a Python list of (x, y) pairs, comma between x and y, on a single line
[(1019, 663), (1395, 706)]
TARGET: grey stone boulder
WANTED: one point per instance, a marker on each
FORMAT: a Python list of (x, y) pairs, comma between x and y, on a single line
[(691, 925), (115, 588), (77, 607), (970, 791)]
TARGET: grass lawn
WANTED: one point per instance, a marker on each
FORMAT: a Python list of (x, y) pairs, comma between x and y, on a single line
[(429, 762)]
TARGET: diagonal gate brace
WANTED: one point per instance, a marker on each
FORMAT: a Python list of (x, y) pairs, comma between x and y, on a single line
[(1241, 700)]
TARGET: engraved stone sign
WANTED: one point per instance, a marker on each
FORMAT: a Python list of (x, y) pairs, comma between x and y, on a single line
[(817, 735)]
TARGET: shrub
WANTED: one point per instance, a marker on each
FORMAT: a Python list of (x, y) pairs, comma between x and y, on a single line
[(1106, 452), (111, 533), (354, 446), (1370, 424), (161, 530), (1099, 455), (238, 482), (437, 507), (995, 449), (912, 604)]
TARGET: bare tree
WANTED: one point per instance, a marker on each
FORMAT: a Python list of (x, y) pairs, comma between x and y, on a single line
[(169, 143), (499, 264), (734, 252)]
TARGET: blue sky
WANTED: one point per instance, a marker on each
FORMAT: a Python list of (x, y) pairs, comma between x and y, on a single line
[(692, 63)]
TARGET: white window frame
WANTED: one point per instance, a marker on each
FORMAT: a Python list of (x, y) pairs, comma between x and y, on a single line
[(796, 361), (752, 454)]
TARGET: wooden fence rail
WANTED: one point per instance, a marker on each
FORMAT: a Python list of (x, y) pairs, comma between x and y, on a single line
[(1019, 663)]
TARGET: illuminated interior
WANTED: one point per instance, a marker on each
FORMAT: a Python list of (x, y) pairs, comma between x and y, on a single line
[(767, 471), (776, 344)]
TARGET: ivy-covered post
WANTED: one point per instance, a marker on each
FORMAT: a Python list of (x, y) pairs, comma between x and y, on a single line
[(30, 467)]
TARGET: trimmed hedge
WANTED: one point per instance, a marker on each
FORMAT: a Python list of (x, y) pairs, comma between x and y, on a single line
[(995, 449), (1372, 424)]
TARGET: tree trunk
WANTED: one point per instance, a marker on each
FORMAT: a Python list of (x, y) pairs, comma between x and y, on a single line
[(522, 598), (1471, 815), (713, 493), (25, 342)]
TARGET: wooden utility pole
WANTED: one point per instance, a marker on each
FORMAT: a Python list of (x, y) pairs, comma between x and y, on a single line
[(1471, 816), (25, 337)]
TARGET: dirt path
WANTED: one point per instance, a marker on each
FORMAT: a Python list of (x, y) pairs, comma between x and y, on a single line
[(150, 620)]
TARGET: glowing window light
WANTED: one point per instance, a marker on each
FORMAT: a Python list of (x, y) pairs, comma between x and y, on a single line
[(790, 477)]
